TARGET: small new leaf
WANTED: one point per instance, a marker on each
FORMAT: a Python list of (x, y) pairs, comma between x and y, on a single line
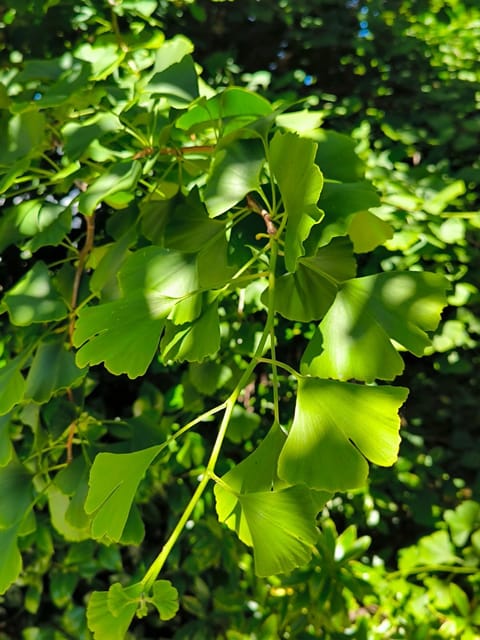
[(109, 613), (165, 599)]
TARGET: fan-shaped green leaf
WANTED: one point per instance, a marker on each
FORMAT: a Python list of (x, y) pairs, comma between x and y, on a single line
[(109, 613), (337, 426), (280, 525), (195, 341), (235, 172), (53, 368), (34, 298), (300, 182), (122, 334), (114, 479), (122, 176), (367, 231), (165, 599), (308, 293), (354, 338)]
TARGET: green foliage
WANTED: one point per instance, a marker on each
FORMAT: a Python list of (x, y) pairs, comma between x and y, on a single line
[(186, 235)]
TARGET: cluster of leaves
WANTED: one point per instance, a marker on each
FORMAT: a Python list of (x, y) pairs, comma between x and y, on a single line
[(178, 233)]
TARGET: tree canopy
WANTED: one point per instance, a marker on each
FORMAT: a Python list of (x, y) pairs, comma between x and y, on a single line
[(228, 231)]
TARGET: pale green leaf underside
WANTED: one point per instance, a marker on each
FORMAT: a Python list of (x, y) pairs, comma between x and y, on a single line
[(278, 522), (337, 426), (280, 525)]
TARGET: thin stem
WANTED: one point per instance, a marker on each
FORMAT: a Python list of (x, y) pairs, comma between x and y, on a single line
[(157, 564), (276, 410), (82, 258), (431, 568), (282, 365)]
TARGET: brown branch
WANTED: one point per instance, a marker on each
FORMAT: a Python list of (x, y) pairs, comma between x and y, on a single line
[(82, 258), (174, 151), (254, 206)]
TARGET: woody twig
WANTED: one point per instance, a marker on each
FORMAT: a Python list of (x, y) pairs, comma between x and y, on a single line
[(254, 206)]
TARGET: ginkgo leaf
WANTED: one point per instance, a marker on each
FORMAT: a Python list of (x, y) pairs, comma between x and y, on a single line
[(257, 472), (16, 492), (368, 231), (354, 337), (194, 341), (280, 525), (53, 368), (34, 299), (300, 181), (6, 447), (307, 293), (10, 557), (336, 428), (278, 522), (235, 172), (122, 176), (12, 385), (122, 334), (165, 599), (114, 479), (109, 613)]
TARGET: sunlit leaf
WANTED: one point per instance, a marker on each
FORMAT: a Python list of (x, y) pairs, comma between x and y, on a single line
[(122, 176), (341, 201), (34, 298), (354, 338), (234, 107), (300, 182), (337, 427), (122, 334), (336, 156), (114, 479), (280, 525), (367, 231)]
